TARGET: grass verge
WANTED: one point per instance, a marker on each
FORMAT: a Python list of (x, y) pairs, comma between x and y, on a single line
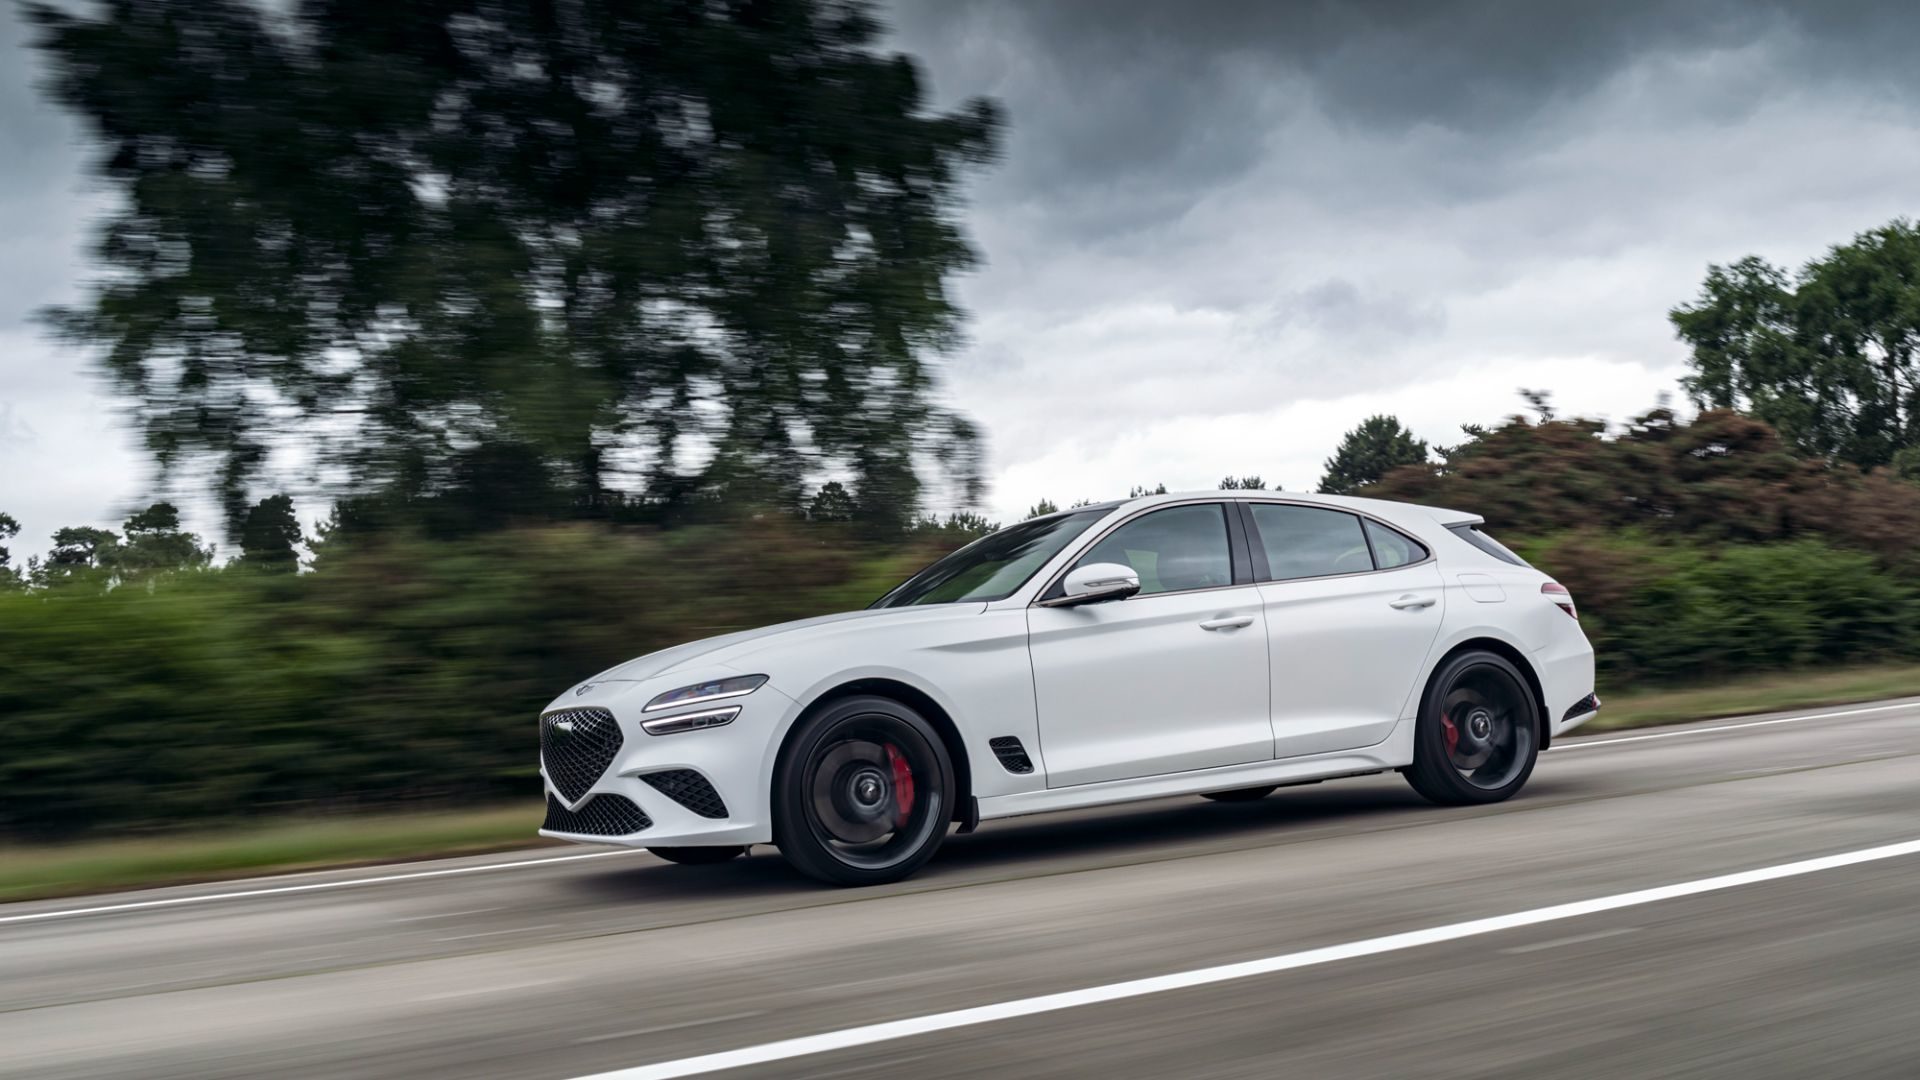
[(1755, 694), (39, 871), (36, 872)]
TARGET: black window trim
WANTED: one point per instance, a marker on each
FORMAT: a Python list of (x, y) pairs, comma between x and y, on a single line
[(1263, 573), (1498, 551), (1238, 548)]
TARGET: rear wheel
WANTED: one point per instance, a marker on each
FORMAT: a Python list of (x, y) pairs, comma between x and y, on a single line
[(1245, 794), (698, 856), (864, 794), (1478, 733)]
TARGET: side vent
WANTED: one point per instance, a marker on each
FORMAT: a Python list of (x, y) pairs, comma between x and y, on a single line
[(1013, 757)]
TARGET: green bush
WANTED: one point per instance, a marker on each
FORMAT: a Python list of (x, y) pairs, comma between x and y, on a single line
[(399, 673), (1677, 611)]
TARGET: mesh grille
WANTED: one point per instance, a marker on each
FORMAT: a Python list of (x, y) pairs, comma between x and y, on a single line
[(602, 815), (1590, 703), (1013, 757), (576, 758), (689, 789)]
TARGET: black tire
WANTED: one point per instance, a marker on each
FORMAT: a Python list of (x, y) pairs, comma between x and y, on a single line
[(1245, 794), (1478, 734), (698, 856), (863, 794)]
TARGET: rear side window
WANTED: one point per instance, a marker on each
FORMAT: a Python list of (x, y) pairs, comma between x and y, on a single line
[(1307, 541), (1390, 549), (1472, 535)]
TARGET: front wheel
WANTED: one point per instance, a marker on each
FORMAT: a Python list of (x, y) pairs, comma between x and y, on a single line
[(1477, 736), (864, 794)]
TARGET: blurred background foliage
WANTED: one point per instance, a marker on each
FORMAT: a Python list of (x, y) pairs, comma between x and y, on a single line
[(608, 324)]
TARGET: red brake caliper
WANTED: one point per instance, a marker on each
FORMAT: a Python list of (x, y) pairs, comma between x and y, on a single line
[(1452, 733), (902, 781)]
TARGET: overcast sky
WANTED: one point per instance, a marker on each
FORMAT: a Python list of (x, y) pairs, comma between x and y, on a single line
[(1224, 233)]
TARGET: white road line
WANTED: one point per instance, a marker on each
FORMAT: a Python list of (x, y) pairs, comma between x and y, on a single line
[(1585, 744), (787, 1049), (315, 886)]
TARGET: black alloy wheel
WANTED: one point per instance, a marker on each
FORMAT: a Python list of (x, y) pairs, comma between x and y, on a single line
[(864, 793), (1478, 734)]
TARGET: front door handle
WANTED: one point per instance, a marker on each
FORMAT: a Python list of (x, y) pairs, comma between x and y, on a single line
[(1410, 602), (1234, 623)]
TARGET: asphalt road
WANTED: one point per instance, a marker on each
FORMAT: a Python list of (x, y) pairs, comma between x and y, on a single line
[(545, 966)]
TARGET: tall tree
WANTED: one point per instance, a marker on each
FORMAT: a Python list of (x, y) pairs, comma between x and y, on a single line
[(1242, 483), (473, 245), (271, 536), (1828, 357), (1368, 452)]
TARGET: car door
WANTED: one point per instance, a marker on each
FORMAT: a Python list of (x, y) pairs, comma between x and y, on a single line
[(1352, 606), (1170, 679)]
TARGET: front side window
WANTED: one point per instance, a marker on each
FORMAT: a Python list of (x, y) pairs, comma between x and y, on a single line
[(1307, 541), (1173, 550), (994, 566)]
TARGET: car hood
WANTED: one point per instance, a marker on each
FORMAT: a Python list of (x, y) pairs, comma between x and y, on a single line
[(744, 641)]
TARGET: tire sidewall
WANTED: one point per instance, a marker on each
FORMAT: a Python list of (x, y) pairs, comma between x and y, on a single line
[(791, 831), (1430, 751)]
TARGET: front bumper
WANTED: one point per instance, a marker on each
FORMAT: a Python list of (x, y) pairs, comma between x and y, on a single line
[(704, 787)]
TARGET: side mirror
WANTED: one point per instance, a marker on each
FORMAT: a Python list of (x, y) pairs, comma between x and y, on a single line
[(1095, 582)]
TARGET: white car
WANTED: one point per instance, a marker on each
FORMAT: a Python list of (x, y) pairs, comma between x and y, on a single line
[(1222, 644)]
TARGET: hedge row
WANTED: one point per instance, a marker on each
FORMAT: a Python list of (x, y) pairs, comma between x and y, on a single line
[(410, 673)]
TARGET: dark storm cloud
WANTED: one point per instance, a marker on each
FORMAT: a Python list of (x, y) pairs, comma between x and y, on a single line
[(1214, 208)]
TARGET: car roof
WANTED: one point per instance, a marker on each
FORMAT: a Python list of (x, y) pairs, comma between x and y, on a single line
[(1381, 508)]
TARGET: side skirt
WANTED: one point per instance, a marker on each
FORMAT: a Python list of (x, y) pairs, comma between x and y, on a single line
[(1377, 758)]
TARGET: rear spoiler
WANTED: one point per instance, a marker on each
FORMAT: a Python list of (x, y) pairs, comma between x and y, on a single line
[(1450, 518)]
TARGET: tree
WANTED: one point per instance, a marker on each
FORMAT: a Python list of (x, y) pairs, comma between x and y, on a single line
[(831, 503), (1828, 356), (1042, 509), (1244, 483), (1139, 490), (80, 555), (271, 535), (1367, 453), (153, 545), (473, 249), (9, 574)]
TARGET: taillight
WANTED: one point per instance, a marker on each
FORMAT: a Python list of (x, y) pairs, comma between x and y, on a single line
[(1558, 593)]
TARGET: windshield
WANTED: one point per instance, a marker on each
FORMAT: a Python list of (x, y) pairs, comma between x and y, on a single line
[(995, 565)]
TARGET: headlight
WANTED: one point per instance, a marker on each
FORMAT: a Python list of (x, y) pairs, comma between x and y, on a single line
[(693, 721), (737, 686)]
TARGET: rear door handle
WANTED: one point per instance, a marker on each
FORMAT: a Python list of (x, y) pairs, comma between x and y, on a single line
[(1234, 623), (1410, 602)]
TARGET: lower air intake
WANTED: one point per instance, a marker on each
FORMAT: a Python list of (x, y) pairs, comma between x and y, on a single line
[(602, 815), (1013, 757), (689, 789), (1590, 703)]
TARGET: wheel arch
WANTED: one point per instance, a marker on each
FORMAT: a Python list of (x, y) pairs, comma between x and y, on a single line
[(1513, 655), (906, 694)]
